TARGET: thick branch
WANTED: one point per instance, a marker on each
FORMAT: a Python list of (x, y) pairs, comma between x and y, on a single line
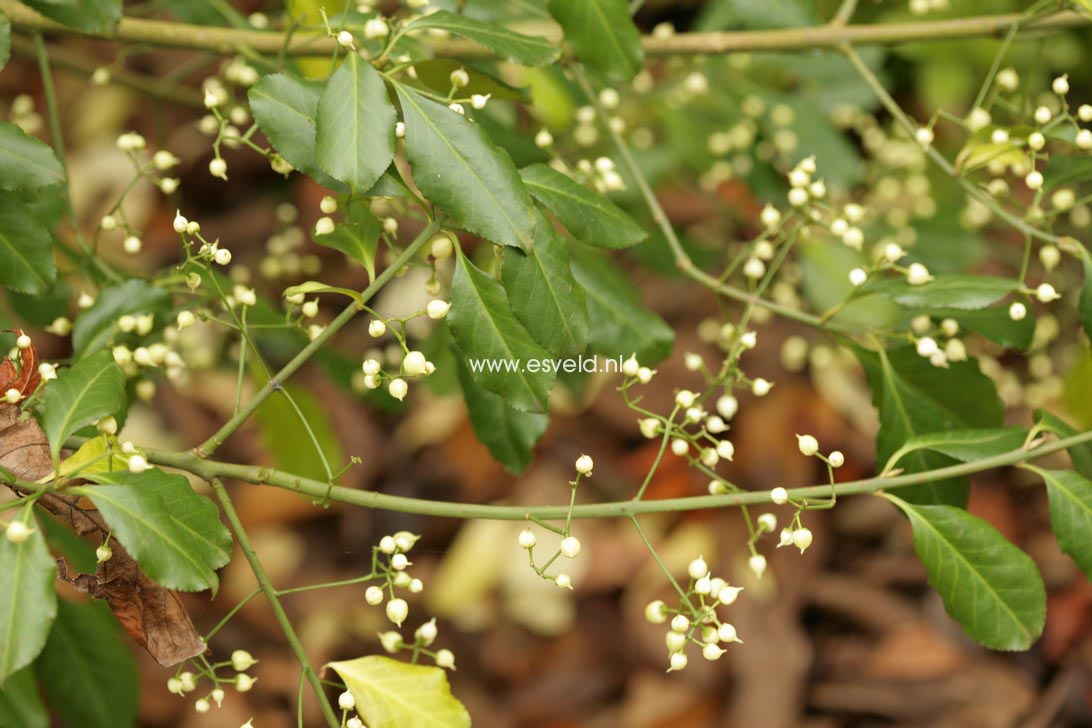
[(209, 469), (229, 40)]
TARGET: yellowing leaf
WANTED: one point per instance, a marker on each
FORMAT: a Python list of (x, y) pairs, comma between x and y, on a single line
[(393, 694)]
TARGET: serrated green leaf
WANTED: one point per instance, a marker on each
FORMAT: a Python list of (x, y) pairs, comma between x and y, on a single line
[(28, 603), (488, 333), (963, 445), (284, 108), (393, 694), (462, 172), (25, 162), (354, 125), (357, 237), (588, 215), (87, 670), (93, 328), (20, 704), (89, 16), (1081, 455), (1070, 497), (195, 515), (509, 435), (602, 35), (527, 50), (988, 585), (26, 248), (620, 323), (543, 293), (92, 389), (965, 292), (169, 532), (913, 398)]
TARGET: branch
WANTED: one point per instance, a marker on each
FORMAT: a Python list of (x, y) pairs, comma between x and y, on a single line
[(228, 41), (211, 469)]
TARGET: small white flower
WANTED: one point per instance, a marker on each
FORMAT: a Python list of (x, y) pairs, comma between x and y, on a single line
[(698, 568), (426, 633), (1046, 293), (346, 701), (415, 364), (564, 581), (1084, 139), (398, 388), (244, 682), (767, 522), (693, 362), (478, 101), (527, 538), (543, 138), (779, 495), (680, 446), (180, 224), (47, 371), (445, 659), (397, 611), (917, 274), (999, 136), (680, 623), (924, 136), (858, 276), (437, 309), (376, 328), (757, 564), (649, 427), (218, 168), (376, 28), (202, 706), (373, 595), (570, 547), (1034, 180), (727, 633), (584, 465), (241, 660), (324, 226), (727, 406), (754, 268), (678, 662), (729, 594), (836, 459), (927, 346), (459, 78), (345, 39), (644, 375), (808, 445), (1060, 85), (655, 612), (1017, 311), (222, 256), (770, 216), (712, 651), (761, 387), (18, 532), (138, 464), (802, 538), (631, 366), (1050, 256), (685, 398)]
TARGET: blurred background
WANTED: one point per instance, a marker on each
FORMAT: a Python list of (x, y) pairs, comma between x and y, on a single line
[(846, 635)]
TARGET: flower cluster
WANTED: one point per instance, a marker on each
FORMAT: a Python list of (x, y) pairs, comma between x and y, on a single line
[(570, 545)]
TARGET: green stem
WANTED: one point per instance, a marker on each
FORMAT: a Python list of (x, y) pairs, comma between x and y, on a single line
[(277, 381), (209, 469), (266, 586), (315, 42)]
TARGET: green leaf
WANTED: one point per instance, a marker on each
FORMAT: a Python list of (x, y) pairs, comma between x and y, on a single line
[(393, 694), (463, 173), (602, 35), (436, 74), (284, 108), (620, 323), (527, 50), (588, 215), (354, 125), (994, 323), (92, 389), (1081, 455), (20, 704), (947, 291), (87, 670), (195, 515), (1064, 170), (509, 435), (488, 333), (913, 398), (1070, 497), (282, 435), (173, 533), (963, 445), (357, 237), (5, 40), (1084, 306), (28, 603), (543, 293), (89, 16), (318, 287), (94, 456), (93, 328), (988, 585), (26, 247), (25, 162)]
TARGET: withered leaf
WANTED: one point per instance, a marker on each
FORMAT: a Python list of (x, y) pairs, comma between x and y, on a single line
[(152, 615), (26, 379)]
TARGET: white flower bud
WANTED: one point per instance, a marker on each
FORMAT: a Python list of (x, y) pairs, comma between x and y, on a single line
[(346, 701), (1017, 311), (761, 387), (564, 581), (729, 594), (570, 547), (680, 623), (727, 633), (138, 464), (698, 568), (376, 328), (678, 662), (324, 226), (1060, 85), (584, 465), (712, 651), (426, 633), (373, 595), (18, 532), (527, 538), (802, 538), (415, 364), (1046, 293), (180, 223), (757, 564), (654, 612), (218, 168), (437, 309), (345, 39), (242, 660), (836, 459), (858, 276), (779, 495), (397, 611), (917, 274), (675, 641), (808, 445), (398, 389), (445, 659)]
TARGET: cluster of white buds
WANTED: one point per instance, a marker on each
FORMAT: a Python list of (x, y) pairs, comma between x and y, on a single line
[(186, 682), (802, 188), (131, 142), (23, 114), (929, 338), (570, 545), (695, 620)]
